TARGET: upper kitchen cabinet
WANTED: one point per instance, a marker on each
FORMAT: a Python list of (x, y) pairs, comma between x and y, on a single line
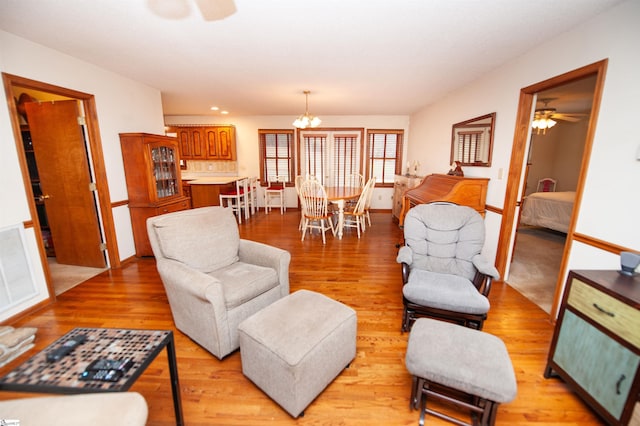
[(206, 142), (191, 143), (221, 142)]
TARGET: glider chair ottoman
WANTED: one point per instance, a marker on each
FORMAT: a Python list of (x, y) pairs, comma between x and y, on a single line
[(295, 347), (468, 368), (214, 280)]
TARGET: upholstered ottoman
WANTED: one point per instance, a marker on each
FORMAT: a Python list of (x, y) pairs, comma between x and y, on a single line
[(295, 347), (448, 361)]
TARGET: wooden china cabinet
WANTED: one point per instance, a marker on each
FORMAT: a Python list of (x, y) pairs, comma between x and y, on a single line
[(152, 171)]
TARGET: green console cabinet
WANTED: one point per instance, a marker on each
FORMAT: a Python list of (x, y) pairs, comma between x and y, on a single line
[(596, 343)]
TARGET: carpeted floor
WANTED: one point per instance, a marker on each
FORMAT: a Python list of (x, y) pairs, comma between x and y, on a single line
[(65, 277), (536, 264)]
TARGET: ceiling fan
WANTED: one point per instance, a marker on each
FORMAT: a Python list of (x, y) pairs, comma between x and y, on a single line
[(547, 112), (211, 10)]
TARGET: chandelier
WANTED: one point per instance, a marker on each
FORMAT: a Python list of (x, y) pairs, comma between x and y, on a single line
[(306, 119)]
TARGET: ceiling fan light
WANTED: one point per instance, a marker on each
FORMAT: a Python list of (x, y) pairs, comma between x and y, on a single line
[(550, 123), (215, 10)]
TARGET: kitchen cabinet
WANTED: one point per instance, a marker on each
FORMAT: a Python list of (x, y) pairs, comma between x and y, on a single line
[(206, 142), (596, 342), (152, 172), (400, 184), (191, 143)]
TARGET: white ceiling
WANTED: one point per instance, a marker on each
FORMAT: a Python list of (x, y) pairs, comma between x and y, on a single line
[(358, 57)]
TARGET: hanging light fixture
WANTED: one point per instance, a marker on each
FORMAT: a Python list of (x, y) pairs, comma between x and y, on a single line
[(306, 119), (542, 118), (542, 124)]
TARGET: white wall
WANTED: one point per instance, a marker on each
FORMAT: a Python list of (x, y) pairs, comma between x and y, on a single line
[(611, 201), (122, 105), (248, 142)]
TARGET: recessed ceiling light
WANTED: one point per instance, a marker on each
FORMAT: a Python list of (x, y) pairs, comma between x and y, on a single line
[(224, 112), (214, 108)]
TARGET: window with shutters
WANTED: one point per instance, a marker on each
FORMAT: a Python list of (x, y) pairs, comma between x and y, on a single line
[(469, 146), (384, 155), (330, 156), (276, 154)]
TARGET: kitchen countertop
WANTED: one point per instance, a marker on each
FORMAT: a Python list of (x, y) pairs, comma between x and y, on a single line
[(214, 180)]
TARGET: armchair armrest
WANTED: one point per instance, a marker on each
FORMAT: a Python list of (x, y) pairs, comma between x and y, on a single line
[(405, 258), (485, 267), (486, 273), (268, 256), (405, 255), (197, 303), (177, 276)]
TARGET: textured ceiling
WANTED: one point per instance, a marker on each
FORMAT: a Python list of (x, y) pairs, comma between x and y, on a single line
[(357, 57)]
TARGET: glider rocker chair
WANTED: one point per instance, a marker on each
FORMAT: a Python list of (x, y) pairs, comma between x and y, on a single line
[(213, 279), (443, 273)]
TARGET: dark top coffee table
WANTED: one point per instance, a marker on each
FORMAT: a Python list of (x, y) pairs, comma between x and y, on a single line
[(63, 376)]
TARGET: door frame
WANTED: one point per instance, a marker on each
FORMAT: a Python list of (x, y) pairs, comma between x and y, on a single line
[(94, 143), (517, 165)]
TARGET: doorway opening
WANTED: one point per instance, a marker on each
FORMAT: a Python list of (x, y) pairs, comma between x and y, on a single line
[(516, 185), (60, 155), (552, 169)]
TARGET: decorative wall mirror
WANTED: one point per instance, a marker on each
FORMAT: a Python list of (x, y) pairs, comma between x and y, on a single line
[(472, 141)]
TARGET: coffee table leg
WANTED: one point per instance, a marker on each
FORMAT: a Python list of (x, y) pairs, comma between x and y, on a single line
[(175, 385)]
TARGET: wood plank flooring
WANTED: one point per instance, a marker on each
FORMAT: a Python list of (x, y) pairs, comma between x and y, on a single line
[(361, 273)]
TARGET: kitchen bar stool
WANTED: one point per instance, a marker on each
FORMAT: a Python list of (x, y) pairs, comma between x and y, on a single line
[(237, 199), (274, 194)]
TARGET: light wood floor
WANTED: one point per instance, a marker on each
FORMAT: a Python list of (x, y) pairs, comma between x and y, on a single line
[(361, 273)]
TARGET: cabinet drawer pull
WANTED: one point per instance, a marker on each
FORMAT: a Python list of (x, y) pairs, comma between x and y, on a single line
[(604, 311), (619, 382)]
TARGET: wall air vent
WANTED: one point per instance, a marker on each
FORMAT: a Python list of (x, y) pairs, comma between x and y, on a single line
[(16, 278)]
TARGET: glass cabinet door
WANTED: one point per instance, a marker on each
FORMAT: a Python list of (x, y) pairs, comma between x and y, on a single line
[(164, 170)]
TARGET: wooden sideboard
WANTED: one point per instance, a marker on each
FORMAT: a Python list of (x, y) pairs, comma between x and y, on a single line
[(401, 183), (596, 343)]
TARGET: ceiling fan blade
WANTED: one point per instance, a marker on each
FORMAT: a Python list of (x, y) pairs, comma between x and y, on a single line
[(215, 10), (568, 117)]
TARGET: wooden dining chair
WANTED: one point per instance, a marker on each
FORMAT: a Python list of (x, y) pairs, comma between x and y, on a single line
[(355, 216), (367, 203), (313, 198)]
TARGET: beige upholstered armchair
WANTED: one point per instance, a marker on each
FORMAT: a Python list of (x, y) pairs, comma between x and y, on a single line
[(213, 279)]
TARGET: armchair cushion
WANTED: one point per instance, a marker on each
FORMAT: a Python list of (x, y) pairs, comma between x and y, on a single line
[(192, 244), (444, 291), (242, 282)]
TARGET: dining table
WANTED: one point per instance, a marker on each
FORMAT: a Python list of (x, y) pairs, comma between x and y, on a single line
[(339, 195)]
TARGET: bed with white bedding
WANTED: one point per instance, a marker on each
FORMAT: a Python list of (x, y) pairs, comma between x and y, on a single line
[(548, 209)]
